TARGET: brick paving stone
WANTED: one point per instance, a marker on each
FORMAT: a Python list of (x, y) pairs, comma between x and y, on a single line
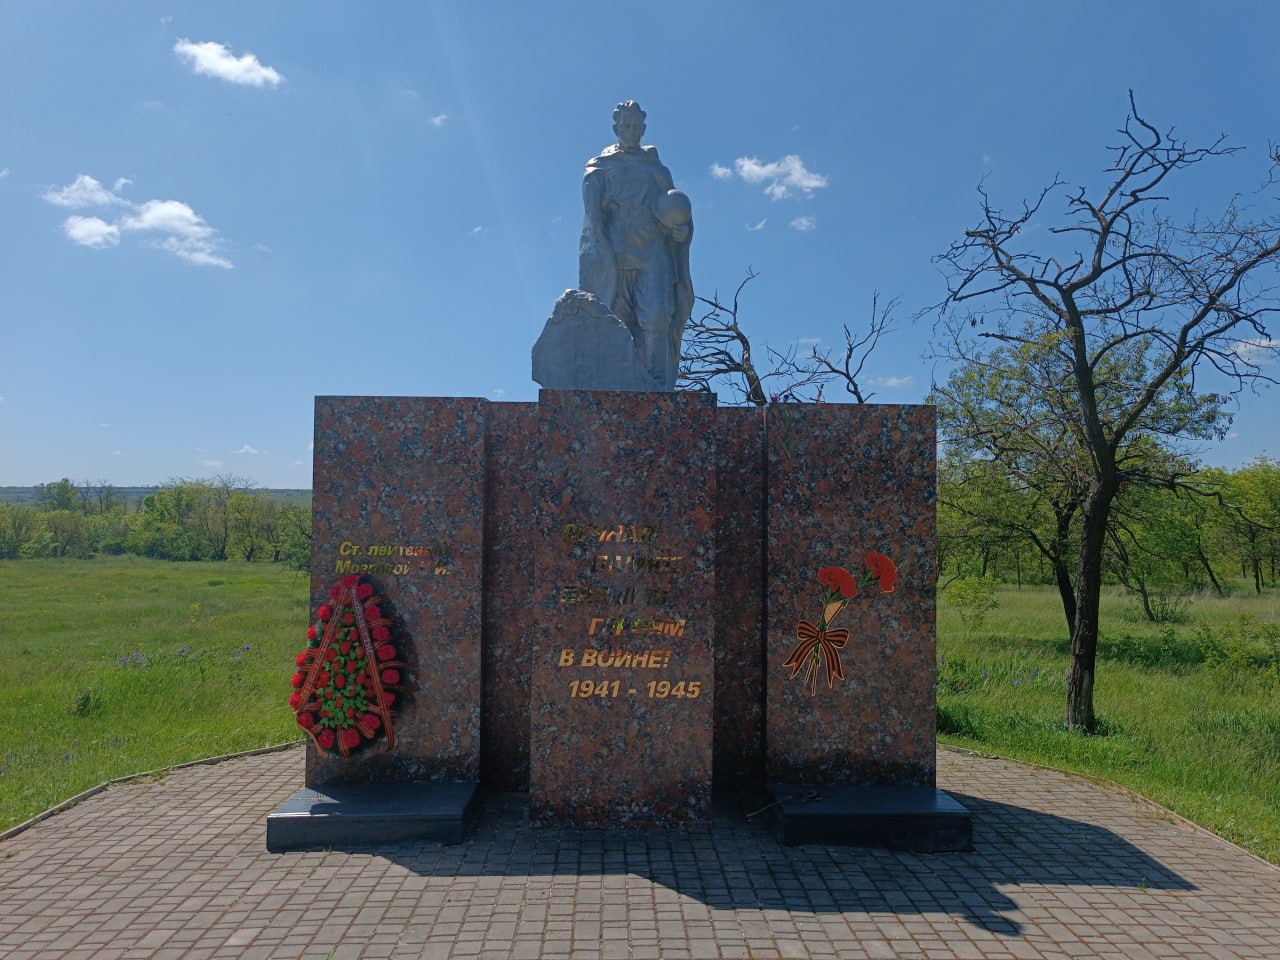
[(1063, 868)]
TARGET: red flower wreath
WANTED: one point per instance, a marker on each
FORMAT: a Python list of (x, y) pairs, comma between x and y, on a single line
[(347, 674)]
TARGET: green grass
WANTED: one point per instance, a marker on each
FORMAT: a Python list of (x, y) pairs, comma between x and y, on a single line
[(119, 665), (1190, 712)]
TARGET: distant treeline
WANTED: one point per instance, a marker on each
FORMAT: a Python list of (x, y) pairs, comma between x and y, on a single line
[(218, 519), (1166, 542)]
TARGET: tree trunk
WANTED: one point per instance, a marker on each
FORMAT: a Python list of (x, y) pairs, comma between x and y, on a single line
[(1084, 630), (1204, 562), (1066, 590)]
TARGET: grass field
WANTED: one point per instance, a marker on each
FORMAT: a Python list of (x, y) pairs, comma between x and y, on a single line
[(1190, 712), (119, 665)]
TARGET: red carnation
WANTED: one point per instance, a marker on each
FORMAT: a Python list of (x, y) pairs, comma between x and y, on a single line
[(350, 580), (356, 651), (325, 739), (340, 681), (296, 680), (372, 613), (306, 721), (324, 613), (335, 593), (295, 701), (301, 659), (345, 647), (313, 633), (386, 653), (390, 676), (351, 712), (323, 680), (388, 698), (347, 619), (381, 633), (362, 679), (350, 737), (365, 591), (883, 569), (371, 720), (330, 655), (839, 580)]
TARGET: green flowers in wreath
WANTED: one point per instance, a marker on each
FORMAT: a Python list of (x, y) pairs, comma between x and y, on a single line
[(348, 676)]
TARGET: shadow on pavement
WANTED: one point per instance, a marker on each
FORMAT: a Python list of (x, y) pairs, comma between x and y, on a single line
[(736, 863)]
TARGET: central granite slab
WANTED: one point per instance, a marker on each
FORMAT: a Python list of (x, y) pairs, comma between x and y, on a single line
[(623, 603)]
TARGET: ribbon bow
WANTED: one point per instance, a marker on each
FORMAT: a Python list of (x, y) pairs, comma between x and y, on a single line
[(817, 645)]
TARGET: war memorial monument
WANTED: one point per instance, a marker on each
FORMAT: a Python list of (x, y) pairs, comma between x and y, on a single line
[(621, 599)]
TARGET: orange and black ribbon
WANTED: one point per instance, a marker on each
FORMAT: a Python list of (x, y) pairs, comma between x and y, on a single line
[(817, 644)]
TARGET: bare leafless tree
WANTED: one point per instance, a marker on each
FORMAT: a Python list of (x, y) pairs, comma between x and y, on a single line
[(717, 356), (1105, 326)]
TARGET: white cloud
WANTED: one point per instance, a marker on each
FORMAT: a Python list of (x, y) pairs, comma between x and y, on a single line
[(783, 176), (311, 445), (84, 191), (804, 224), (753, 227), (440, 119), (248, 449), (479, 231), (117, 453), (189, 237), (4, 173), (498, 393), (720, 171), (212, 59), (105, 426), (91, 232), (410, 94), (297, 463), (2, 399), (892, 382), (809, 341), (1260, 350), (168, 216), (120, 184), (216, 464), (197, 252)]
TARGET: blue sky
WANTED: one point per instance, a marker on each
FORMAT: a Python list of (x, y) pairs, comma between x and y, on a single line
[(211, 213)]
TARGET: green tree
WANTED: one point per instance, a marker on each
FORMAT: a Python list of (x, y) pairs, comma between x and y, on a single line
[(1110, 314), (60, 495)]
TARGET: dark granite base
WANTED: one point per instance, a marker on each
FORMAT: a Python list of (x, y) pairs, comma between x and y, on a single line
[(334, 816), (919, 819)]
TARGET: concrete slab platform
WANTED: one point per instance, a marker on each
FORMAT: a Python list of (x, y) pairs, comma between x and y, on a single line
[(917, 819), (332, 817)]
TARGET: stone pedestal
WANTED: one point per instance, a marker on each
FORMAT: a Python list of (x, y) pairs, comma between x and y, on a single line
[(603, 598), (624, 589), (845, 481)]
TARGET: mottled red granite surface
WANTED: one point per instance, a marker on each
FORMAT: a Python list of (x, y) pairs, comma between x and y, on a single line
[(625, 573), (489, 515), (739, 636), (511, 545), (399, 499), (843, 481)]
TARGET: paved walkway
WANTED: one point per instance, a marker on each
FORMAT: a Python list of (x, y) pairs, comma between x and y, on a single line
[(176, 867)]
